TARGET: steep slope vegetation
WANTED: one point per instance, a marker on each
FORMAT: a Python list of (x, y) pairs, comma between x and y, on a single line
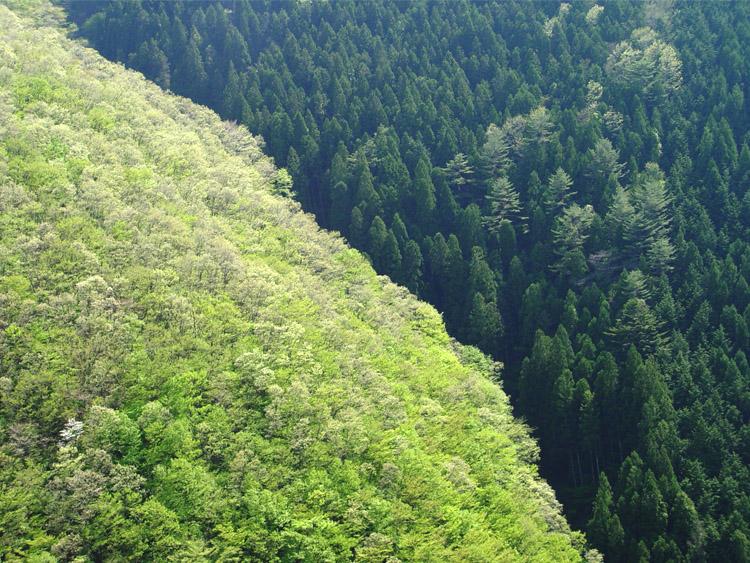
[(567, 182), (192, 370)]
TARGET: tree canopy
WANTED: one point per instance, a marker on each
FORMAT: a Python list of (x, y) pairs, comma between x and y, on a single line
[(621, 269), (192, 370)]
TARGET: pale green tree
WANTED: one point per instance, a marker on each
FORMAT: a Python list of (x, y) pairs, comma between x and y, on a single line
[(504, 205), (646, 63)]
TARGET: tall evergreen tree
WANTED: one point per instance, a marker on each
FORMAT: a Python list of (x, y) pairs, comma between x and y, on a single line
[(504, 205)]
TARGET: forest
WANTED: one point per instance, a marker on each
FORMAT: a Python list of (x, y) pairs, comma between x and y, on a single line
[(191, 370), (567, 183), (193, 367)]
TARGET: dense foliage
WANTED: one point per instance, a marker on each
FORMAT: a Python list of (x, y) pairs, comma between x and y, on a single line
[(191, 370), (567, 183)]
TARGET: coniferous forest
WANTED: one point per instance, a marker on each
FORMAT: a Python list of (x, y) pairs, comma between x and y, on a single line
[(568, 184)]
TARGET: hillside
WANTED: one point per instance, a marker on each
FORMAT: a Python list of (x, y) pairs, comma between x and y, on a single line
[(192, 370), (568, 183)]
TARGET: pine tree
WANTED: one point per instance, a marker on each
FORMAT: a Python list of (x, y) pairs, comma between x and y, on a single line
[(646, 64), (424, 192), (504, 205), (469, 229), (659, 256), (455, 280), (377, 238), (569, 317), (496, 149), (507, 240), (651, 508), (365, 195), (481, 277), (152, 62), (568, 236), (411, 265), (399, 230), (390, 261), (233, 100), (638, 325), (741, 182), (620, 216), (588, 426), (357, 228), (190, 76), (604, 528), (484, 325), (280, 135), (651, 201), (339, 170), (460, 175), (633, 285), (562, 393), (603, 172), (339, 215), (558, 191), (602, 162)]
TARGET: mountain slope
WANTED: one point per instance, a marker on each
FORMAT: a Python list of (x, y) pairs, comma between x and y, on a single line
[(192, 370), (568, 183)]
